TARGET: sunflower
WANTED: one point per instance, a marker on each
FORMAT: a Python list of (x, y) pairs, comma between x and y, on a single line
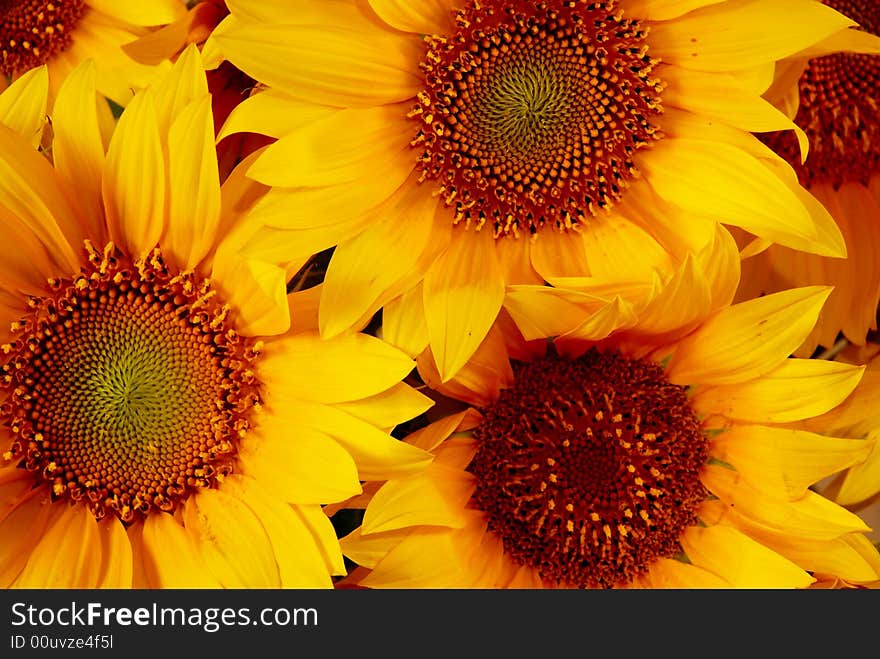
[(163, 423), (63, 33), (446, 149), (615, 464), (835, 99)]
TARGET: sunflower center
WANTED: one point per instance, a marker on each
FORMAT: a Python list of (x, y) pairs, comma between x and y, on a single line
[(589, 469), (839, 110), (533, 110), (126, 388), (33, 31)]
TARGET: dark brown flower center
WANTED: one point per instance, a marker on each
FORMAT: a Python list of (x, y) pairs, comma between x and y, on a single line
[(33, 31), (533, 110), (589, 469), (126, 388), (839, 110)]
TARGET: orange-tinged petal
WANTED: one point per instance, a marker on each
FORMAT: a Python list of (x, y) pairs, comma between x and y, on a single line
[(256, 289), (134, 188), (230, 540), (782, 462), (427, 17), (368, 549), (21, 527), (68, 554), (23, 104), (662, 10), (152, 13), (739, 560), (169, 556), (184, 84), (669, 573), (116, 555), (463, 292), (273, 113), (747, 340)]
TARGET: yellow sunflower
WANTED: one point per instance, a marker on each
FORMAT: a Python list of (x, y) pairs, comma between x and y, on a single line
[(835, 99), (162, 423), (610, 464), (63, 33), (468, 145)]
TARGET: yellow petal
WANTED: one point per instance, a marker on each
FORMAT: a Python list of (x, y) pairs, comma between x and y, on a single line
[(663, 10), (367, 550), (718, 179), (230, 540), (742, 34), (324, 535), (116, 555), (810, 517), (184, 84), (134, 179), (30, 190), (68, 554), (669, 573), (434, 497), (194, 185), (347, 367), (389, 408), (22, 526), (273, 113), (863, 480), (341, 65), (377, 455), (339, 147), (381, 262), (300, 564), (299, 465), (797, 389), (782, 462), (78, 148), (749, 339), (850, 556), (170, 558), (739, 560), (429, 558), (609, 244), (428, 17), (463, 292), (403, 322), (152, 13), (23, 104)]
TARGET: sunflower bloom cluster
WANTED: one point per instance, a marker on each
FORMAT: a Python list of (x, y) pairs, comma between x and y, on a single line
[(438, 294)]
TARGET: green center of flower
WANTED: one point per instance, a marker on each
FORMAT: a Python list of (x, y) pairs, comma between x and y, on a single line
[(533, 110), (839, 109), (126, 387), (589, 469), (33, 31)]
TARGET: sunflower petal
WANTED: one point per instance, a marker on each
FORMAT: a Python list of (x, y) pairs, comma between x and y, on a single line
[(23, 104), (463, 292), (783, 462), (797, 389), (749, 339), (739, 560), (170, 558)]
